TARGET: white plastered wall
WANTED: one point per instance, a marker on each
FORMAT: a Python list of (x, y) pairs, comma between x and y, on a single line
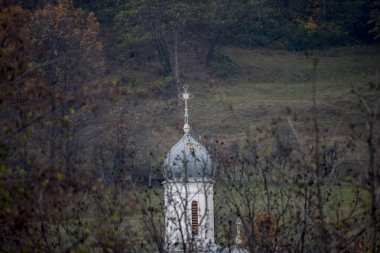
[(178, 198)]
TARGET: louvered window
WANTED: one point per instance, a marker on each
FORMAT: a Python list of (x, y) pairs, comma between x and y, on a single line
[(194, 217)]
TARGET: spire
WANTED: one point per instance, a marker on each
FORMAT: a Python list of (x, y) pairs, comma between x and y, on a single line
[(238, 237), (185, 96)]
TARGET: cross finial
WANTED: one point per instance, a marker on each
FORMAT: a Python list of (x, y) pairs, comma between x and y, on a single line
[(238, 226), (185, 96)]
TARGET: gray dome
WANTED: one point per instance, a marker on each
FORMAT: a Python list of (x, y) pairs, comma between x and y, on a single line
[(187, 160), (234, 249)]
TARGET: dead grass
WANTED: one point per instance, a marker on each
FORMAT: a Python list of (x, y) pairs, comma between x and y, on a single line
[(269, 82), (274, 80)]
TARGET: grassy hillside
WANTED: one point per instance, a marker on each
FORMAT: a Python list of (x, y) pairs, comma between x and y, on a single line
[(270, 81), (260, 85)]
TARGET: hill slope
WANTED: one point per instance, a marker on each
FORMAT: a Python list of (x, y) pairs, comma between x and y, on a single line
[(262, 85)]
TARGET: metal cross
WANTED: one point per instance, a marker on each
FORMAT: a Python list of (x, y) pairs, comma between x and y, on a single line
[(238, 226), (185, 96)]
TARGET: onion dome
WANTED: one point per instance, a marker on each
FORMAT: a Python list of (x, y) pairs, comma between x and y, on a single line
[(187, 160), (237, 248), (234, 249)]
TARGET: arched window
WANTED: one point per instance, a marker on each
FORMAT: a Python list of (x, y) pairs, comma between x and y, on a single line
[(194, 217)]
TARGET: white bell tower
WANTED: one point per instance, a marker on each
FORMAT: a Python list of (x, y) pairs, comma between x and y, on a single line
[(189, 194)]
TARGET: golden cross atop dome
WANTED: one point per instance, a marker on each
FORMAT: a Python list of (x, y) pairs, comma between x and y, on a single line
[(185, 96)]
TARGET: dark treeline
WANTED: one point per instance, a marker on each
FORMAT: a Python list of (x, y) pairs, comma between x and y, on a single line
[(291, 24), (146, 28)]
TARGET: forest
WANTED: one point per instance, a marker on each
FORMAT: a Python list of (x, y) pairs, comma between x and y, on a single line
[(286, 101)]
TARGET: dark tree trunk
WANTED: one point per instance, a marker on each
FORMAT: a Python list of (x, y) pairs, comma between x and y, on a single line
[(163, 54), (323, 233), (53, 127), (372, 181), (211, 48)]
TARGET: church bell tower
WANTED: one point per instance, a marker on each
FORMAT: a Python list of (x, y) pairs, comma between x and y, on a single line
[(189, 194)]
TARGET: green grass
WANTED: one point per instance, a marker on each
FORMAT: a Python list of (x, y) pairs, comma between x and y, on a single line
[(273, 80), (268, 81)]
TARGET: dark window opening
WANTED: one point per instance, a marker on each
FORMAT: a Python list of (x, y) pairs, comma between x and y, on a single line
[(194, 217)]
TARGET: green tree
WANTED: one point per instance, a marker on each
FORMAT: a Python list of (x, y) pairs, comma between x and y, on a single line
[(219, 19), (154, 23)]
